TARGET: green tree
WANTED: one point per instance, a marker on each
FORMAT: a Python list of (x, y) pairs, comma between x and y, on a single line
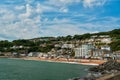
[(115, 45)]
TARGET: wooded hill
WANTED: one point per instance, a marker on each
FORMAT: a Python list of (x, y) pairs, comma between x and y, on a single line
[(34, 44)]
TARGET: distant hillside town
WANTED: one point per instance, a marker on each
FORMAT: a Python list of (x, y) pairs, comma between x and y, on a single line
[(103, 45)]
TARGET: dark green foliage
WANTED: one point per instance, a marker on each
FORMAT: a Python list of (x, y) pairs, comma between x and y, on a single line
[(82, 37), (5, 44), (77, 37), (23, 43), (2, 55), (62, 38), (58, 48), (40, 49), (115, 34), (86, 36), (101, 33), (115, 45), (69, 37), (34, 49)]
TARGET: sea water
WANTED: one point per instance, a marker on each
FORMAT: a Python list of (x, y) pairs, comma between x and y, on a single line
[(13, 69)]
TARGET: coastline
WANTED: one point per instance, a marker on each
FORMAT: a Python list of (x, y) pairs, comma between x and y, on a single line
[(63, 60)]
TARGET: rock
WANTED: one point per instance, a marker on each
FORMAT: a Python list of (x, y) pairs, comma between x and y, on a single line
[(109, 67), (106, 67)]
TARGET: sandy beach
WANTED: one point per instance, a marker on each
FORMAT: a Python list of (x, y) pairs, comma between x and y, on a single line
[(64, 60)]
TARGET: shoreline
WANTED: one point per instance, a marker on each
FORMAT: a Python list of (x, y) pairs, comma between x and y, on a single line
[(63, 60)]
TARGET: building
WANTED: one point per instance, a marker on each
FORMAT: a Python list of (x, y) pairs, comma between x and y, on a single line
[(57, 45), (100, 54), (100, 39), (83, 51), (116, 55), (106, 40), (33, 54), (105, 48), (68, 46)]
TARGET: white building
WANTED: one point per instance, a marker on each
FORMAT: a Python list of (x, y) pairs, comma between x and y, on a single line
[(57, 45), (106, 40), (41, 54), (68, 46), (83, 51), (101, 39), (33, 54), (105, 48), (101, 53)]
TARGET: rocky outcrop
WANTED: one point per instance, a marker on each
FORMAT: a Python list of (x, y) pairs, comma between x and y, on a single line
[(107, 68)]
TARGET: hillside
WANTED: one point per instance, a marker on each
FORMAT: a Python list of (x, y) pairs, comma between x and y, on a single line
[(45, 44)]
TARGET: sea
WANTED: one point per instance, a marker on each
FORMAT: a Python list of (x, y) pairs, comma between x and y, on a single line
[(16, 69)]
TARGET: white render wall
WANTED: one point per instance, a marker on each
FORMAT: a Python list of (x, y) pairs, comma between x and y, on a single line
[(83, 50)]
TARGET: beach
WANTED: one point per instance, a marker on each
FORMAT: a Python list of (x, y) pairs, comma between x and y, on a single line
[(64, 60)]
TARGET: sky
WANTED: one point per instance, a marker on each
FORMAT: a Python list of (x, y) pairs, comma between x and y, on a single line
[(26, 19)]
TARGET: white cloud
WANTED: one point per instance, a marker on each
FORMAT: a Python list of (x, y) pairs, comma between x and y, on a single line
[(44, 8), (38, 8), (91, 3), (28, 11), (68, 27), (18, 25), (20, 7), (65, 10), (6, 17), (29, 1), (60, 3), (62, 30), (66, 3), (28, 21), (64, 20)]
